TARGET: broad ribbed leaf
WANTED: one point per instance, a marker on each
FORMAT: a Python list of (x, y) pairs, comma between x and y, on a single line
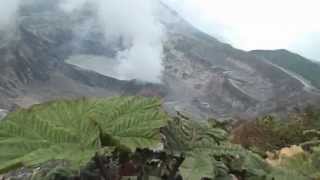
[(72, 130), (184, 135), (53, 131), (197, 140), (132, 121), (198, 165)]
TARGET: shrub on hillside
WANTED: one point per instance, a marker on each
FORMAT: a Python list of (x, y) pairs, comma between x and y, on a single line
[(269, 133)]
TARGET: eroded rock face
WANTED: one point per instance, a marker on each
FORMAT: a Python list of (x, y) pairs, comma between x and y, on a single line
[(32, 67), (208, 77), (202, 76)]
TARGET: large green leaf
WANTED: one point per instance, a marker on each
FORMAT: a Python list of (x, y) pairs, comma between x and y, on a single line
[(53, 131), (184, 135), (74, 130), (197, 141), (197, 165), (132, 121), (208, 153)]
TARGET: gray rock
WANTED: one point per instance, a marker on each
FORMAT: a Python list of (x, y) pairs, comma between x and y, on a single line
[(201, 75)]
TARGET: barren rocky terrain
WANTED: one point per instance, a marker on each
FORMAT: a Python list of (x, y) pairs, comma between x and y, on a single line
[(201, 74)]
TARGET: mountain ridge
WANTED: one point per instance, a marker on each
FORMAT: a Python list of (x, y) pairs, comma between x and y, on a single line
[(201, 75), (293, 62)]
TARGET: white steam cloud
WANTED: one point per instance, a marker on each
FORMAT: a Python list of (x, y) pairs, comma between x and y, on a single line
[(134, 23), (8, 14)]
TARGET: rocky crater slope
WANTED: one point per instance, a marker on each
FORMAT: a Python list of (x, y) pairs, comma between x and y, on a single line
[(202, 75)]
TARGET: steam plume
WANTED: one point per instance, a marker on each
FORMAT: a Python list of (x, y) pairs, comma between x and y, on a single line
[(135, 24)]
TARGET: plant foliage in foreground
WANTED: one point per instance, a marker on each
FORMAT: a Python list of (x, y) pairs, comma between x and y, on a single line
[(75, 130), (115, 138), (209, 154)]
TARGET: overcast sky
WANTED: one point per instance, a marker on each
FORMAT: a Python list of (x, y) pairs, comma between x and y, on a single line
[(258, 24)]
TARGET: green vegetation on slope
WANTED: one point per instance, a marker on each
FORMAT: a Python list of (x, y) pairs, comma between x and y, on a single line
[(293, 62), (270, 133), (118, 137), (291, 144)]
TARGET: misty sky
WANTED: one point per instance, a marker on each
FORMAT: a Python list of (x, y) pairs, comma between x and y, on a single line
[(258, 24)]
